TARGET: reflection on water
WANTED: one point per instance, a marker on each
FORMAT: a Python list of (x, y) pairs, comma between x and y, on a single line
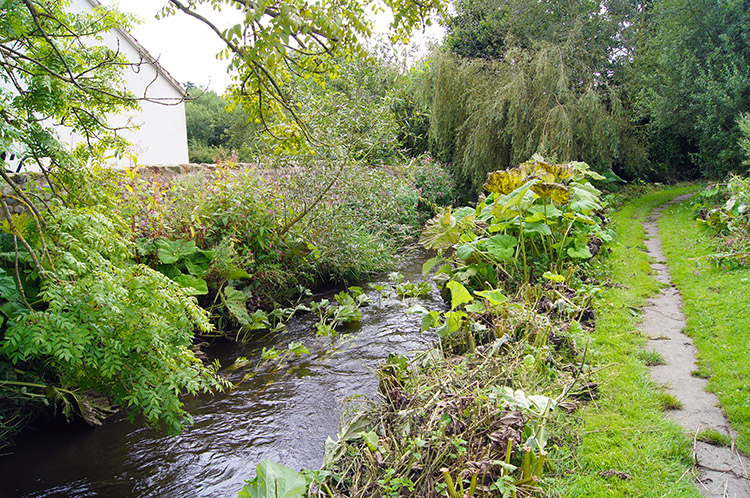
[(283, 415)]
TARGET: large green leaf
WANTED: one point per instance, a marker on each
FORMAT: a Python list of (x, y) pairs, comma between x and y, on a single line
[(464, 251), (501, 246), (8, 290), (171, 251), (237, 274), (235, 303), (274, 481), (429, 318), (459, 294), (193, 285), (584, 198), (428, 265), (199, 262), (12, 309), (452, 323), (505, 181), (441, 232), (494, 296), (537, 227), (579, 251)]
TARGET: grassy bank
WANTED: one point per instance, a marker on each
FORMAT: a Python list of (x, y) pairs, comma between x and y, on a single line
[(718, 314), (624, 428)]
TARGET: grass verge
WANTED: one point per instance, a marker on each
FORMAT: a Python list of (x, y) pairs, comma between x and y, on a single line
[(626, 446), (718, 314)]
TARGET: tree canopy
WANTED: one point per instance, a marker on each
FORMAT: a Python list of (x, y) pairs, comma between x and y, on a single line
[(650, 89), (278, 41), (690, 81)]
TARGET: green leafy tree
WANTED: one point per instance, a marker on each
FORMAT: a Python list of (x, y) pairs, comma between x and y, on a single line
[(691, 81), (536, 101), (518, 78), (215, 126), (280, 40), (78, 318)]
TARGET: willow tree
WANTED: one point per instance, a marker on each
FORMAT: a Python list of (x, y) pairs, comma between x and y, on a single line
[(518, 78), (489, 115)]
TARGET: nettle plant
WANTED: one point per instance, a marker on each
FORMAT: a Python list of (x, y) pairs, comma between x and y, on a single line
[(538, 217)]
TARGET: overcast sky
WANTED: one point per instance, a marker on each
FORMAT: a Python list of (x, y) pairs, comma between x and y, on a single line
[(187, 48)]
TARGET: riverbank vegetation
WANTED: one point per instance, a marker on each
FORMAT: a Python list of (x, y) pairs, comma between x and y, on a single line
[(525, 394), (536, 384)]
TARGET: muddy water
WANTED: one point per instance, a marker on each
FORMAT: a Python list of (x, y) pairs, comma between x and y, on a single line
[(284, 415)]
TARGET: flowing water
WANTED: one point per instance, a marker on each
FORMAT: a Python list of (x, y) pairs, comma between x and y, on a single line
[(283, 414)]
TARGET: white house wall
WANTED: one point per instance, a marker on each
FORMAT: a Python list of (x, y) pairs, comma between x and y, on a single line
[(158, 132)]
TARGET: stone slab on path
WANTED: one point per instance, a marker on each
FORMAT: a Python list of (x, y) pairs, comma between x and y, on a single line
[(722, 471)]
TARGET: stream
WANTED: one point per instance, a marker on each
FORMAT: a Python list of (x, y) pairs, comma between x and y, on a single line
[(283, 414)]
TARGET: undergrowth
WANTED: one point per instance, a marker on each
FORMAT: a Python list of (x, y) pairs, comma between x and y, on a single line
[(246, 241), (522, 396)]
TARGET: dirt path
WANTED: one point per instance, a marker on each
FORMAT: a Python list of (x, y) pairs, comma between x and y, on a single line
[(722, 471)]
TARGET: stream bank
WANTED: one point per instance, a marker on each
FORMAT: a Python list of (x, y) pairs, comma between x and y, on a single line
[(283, 414)]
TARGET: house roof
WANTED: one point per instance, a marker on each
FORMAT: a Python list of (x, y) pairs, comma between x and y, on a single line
[(145, 54)]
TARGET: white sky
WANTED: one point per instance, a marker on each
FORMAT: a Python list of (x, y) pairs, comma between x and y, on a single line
[(187, 48)]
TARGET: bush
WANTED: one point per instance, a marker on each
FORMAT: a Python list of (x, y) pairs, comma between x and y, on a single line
[(87, 322), (284, 227)]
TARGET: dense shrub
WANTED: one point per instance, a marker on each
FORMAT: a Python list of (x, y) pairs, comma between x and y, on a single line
[(290, 226)]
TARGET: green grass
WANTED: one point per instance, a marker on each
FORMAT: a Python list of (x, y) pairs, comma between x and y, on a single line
[(718, 315), (712, 436), (651, 358), (669, 402), (625, 428)]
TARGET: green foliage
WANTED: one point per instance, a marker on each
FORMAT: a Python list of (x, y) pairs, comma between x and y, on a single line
[(49, 74), (486, 28), (82, 323), (216, 128), (411, 115), (279, 40), (542, 100), (538, 217), (227, 228), (345, 311), (690, 81), (104, 324), (724, 213), (350, 110), (274, 481)]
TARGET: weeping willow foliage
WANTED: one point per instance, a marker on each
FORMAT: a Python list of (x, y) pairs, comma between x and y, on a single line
[(489, 115)]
